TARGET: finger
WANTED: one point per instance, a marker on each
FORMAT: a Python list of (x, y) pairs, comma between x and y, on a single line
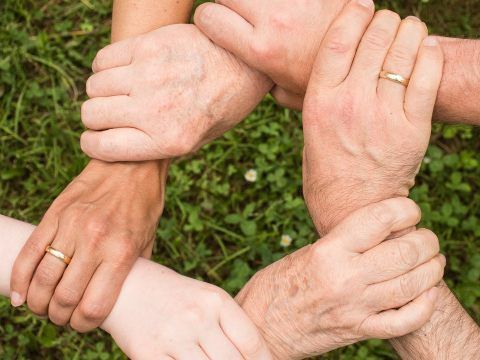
[(100, 296), (30, 256), (288, 99), (227, 29), (109, 113), (114, 55), (396, 257), (243, 333), (369, 226), (401, 60), (423, 87), (217, 346), (189, 353), (47, 276), (123, 144), (110, 82), (71, 288), (397, 292), (248, 9), (340, 44), (373, 48), (409, 318)]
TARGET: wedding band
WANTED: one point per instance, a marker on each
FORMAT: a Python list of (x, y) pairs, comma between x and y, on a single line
[(399, 79), (58, 254)]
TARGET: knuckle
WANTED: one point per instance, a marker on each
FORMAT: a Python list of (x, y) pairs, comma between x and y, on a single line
[(376, 39), (93, 312), (429, 239), (126, 252), (401, 54), (97, 230), (183, 143), (407, 291), (416, 23), (194, 314), (33, 248), (66, 297), (282, 21), (382, 214), (99, 61), (253, 345), (408, 253), (336, 42), (86, 113), (216, 297), (90, 87), (389, 15), (264, 50), (319, 252), (45, 275)]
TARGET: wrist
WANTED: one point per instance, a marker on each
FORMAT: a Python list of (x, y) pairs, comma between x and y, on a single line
[(148, 177), (330, 202), (450, 332), (457, 99)]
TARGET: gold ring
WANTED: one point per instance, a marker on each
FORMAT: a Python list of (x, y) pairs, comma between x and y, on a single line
[(58, 254), (399, 79)]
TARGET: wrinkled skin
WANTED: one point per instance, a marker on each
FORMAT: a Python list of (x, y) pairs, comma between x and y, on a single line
[(280, 38), (104, 219), (368, 146), (165, 94), (372, 141), (348, 286)]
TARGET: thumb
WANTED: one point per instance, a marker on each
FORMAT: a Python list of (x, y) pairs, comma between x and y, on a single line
[(227, 29)]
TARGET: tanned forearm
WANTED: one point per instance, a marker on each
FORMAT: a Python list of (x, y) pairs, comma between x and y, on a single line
[(136, 17), (458, 98), (450, 334)]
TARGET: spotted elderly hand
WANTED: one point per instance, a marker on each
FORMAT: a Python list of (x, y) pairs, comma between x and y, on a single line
[(365, 136), (351, 285), (104, 220), (280, 38), (165, 94)]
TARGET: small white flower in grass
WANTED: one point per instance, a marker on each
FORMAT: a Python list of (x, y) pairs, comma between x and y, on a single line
[(251, 175), (427, 160), (285, 241)]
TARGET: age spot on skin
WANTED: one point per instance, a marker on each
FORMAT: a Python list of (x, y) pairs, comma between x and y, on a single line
[(293, 290)]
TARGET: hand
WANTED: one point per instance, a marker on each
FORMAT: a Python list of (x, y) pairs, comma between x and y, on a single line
[(349, 286), (280, 38), (104, 220), (163, 315), (165, 94), (368, 146)]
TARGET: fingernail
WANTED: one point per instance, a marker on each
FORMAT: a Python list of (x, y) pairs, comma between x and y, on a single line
[(413, 18), (365, 3), (430, 41), (16, 299), (432, 294), (206, 13)]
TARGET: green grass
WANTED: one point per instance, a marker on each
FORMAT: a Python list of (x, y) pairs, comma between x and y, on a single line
[(216, 227)]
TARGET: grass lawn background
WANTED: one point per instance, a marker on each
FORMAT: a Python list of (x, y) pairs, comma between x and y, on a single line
[(216, 227)]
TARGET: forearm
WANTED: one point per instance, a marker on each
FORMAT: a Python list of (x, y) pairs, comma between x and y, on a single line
[(135, 17), (458, 97), (14, 234), (450, 334)]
